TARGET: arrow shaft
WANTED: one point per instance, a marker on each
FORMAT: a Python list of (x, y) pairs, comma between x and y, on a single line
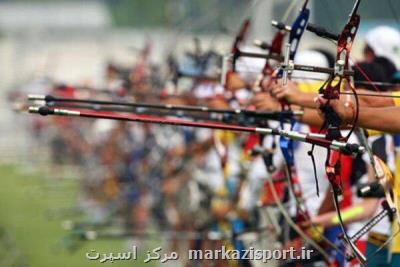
[(316, 139)]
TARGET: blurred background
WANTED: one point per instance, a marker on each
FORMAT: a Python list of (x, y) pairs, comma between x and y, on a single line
[(43, 185)]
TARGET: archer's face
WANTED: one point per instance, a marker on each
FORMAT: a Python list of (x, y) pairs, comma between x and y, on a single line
[(369, 54)]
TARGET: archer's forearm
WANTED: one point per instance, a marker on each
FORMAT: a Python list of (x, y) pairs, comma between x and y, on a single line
[(361, 211), (380, 119), (374, 101), (305, 100), (311, 118)]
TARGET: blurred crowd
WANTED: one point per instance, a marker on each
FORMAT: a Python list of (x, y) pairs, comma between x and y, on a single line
[(203, 188)]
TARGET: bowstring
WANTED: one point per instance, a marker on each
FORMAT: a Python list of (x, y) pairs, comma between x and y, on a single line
[(362, 72)]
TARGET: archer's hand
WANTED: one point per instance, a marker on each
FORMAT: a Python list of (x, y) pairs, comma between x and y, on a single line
[(289, 92), (267, 83), (234, 82), (264, 101), (343, 109)]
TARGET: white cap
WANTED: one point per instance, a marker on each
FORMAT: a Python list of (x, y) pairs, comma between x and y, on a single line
[(385, 42), (243, 95), (208, 90), (310, 58), (249, 68)]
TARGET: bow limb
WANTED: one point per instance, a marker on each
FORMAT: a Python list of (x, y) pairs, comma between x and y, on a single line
[(277, 41), (235, 51), (330, 91), (297, 29), (385, 179), (296, 32), (292, 224), (305, 214), (382, 175), (356, 252)]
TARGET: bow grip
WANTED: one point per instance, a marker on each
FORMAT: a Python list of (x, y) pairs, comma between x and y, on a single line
[(333, 122)]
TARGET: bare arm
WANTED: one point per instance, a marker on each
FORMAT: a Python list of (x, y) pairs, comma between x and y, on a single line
[(381, 119), (264, 101), (312, 118), (374, 101), (293, 95), (385, 119), (358, 212)]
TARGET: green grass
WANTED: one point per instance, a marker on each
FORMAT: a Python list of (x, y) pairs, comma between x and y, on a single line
[(24, 201)]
